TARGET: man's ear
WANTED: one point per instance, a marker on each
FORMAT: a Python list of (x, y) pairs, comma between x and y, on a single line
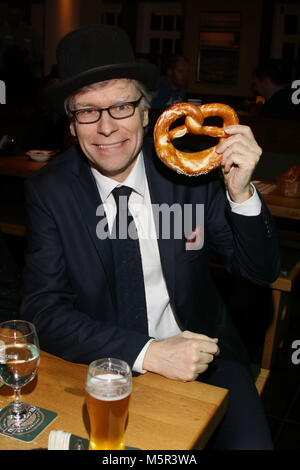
[(72, 128), (145, 117)]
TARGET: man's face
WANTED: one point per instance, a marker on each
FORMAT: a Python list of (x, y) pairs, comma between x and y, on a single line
[(258, 86), (111, 145), (179, 75)]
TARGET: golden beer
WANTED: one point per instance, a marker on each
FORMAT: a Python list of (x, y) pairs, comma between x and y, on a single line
[(108, 394)]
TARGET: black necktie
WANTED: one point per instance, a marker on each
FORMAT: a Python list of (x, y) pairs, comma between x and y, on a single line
[(130, 291)]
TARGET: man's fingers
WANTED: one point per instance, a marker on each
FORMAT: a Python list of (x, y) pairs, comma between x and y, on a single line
[(207, 347), (190, 335), (205, 358), (240, 129), (181, 357), (202, 343)]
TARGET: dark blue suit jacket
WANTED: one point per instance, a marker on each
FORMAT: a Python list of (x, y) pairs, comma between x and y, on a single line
[(69, 289)]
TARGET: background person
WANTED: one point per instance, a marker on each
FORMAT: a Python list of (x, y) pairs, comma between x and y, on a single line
[(268, 81), (171, 87)]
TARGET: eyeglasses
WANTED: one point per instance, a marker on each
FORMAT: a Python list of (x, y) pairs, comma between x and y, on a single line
[(116, 111)]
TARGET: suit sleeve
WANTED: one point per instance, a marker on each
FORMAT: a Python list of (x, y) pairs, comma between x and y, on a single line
[(247, 244), (50, 301)]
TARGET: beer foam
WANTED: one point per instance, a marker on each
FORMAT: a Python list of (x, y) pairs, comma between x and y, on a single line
[(108, 387), (107, 377)]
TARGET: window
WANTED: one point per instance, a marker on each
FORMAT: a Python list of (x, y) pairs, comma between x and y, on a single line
[(219, 47), (288, 50), (159, 28), (290, 24), (111, 13), (286, 39)]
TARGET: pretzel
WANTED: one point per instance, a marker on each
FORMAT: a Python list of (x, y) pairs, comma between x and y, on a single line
[(197, 163)]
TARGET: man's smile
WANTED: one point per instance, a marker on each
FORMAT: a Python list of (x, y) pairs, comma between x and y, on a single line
[(109, 146)]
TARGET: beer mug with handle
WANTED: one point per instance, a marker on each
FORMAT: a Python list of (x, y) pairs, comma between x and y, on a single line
[(108, 387)]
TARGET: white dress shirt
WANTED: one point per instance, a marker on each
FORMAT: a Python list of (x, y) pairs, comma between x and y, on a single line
[(162, 320)]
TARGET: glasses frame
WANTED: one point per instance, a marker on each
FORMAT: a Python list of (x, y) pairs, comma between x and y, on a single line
[(100, 110)]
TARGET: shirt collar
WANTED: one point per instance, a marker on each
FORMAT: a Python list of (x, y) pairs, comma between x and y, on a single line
[(135, 180)]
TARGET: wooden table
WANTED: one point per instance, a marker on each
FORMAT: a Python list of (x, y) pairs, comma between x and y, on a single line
[(19, 166), (164, 414), (279, 206)]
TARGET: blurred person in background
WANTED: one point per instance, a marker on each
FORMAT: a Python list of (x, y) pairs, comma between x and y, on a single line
[(268, 82), (172, 85)]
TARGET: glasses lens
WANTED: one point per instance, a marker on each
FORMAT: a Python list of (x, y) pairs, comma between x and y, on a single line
[(87, 115), (122, 110)]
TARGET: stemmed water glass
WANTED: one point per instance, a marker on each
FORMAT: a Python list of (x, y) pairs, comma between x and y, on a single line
[(19, 361)]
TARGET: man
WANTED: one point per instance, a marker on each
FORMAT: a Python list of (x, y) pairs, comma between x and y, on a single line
[(86, 300), (268, 82), (172, 86)]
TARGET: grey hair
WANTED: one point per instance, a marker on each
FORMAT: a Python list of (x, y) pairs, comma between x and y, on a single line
[(145, 102)]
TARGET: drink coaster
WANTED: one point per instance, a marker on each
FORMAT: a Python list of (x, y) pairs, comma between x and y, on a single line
[(36, 420)]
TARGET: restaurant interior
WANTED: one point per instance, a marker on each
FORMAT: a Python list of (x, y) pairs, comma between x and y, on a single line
[(223, 42)]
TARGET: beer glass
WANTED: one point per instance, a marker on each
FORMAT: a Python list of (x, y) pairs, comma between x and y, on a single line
[(108, 387)]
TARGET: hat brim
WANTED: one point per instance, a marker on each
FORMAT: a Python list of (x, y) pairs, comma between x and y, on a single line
[(145, 72)]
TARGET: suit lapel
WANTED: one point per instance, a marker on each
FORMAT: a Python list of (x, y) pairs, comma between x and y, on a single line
[(88, 199), (161, 192)]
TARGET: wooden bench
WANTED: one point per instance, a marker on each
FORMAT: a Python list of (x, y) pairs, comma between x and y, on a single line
[(276, 331), (261, 380)]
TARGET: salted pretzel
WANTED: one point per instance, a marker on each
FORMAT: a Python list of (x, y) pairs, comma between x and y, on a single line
[(196, 163)]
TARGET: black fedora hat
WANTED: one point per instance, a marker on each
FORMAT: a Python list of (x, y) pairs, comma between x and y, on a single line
[(95, 53)]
